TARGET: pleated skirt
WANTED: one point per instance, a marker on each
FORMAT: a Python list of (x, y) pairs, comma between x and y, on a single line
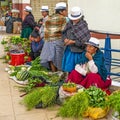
[(70, 59), (52, 51)]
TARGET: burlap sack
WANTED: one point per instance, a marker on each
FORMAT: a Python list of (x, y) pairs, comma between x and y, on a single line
[(16, 27), (1, 23)]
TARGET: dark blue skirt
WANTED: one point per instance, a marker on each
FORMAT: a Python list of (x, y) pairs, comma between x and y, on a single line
[(70, 59)]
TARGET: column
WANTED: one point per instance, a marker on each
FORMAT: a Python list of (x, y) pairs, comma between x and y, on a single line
[(20, 5)]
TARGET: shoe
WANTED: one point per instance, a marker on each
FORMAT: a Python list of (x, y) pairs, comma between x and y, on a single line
[(28, 63), (39, 105), (58, 102)]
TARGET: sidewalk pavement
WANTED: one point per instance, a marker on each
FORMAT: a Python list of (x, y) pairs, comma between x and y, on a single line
[(11, 109)]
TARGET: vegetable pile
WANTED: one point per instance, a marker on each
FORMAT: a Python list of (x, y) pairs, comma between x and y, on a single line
[(46, 95), (79, 103), (16, 44), (97, 97), (114, 102), (69, 87), (75, 106)]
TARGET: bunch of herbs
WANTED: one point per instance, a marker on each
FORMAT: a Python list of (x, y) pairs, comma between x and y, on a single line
[(46, 95), (114, 101), (75, 106)]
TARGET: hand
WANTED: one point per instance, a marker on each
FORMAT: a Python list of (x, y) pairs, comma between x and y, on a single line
[(88, 55), (65, 41), (69, 42), (37, 28), (31, 38)]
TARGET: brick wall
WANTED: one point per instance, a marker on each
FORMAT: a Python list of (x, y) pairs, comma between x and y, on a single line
[(36, 6)]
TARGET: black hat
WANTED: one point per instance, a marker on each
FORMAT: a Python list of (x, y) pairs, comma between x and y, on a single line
[(35, 33)]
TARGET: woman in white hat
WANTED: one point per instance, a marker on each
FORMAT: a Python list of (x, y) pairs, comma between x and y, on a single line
[(53, 48), (45, 12), (14, 17), (75, 34), (28, 23), (91, 70)]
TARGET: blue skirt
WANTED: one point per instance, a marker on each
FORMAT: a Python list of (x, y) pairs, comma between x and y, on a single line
[(70, 59)]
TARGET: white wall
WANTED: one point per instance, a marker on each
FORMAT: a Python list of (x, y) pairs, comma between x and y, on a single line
[(100, 14)]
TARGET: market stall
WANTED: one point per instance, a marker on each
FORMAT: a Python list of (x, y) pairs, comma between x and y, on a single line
[(42, 88)]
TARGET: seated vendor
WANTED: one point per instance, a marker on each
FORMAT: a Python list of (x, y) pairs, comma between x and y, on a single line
[(91, 69), (36, 44)]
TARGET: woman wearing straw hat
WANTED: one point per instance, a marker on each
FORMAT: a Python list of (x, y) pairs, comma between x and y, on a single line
[(75, 34), (91, 70), (28, 23)]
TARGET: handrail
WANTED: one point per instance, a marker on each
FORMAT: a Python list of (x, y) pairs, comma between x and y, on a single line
[(114, 50), (105, 32)]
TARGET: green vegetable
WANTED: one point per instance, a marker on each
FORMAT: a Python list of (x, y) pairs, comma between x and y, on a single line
[(46, 95), (114, 101), (54, 79), (31, 84), (3, 42), (97, 97), (13, 73), (69, 84), (37, 66), (75, 106)]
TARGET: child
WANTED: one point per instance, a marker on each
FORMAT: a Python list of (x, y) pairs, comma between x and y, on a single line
[(36, 44)]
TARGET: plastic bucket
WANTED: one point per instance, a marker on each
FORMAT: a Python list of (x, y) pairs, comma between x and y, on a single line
[(17, 58)]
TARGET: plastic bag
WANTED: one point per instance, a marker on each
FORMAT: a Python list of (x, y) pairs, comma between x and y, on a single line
[(96, 113), (63, 94)]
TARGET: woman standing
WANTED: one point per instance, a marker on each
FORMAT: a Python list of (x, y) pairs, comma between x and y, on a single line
[(75, 34), (52, 52), (28, 23)]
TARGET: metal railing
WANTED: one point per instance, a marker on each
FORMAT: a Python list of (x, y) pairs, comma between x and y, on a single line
[(109, 61)]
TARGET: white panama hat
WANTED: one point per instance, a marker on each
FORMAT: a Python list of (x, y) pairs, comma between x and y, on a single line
[(44, 8), (28, 9), (76, 13), (60, 5), (15, 11), (94, 42)]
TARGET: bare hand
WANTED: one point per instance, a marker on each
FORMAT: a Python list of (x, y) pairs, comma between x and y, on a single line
[(37, 28), (65, 41), (69, 42), (88, 55)]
